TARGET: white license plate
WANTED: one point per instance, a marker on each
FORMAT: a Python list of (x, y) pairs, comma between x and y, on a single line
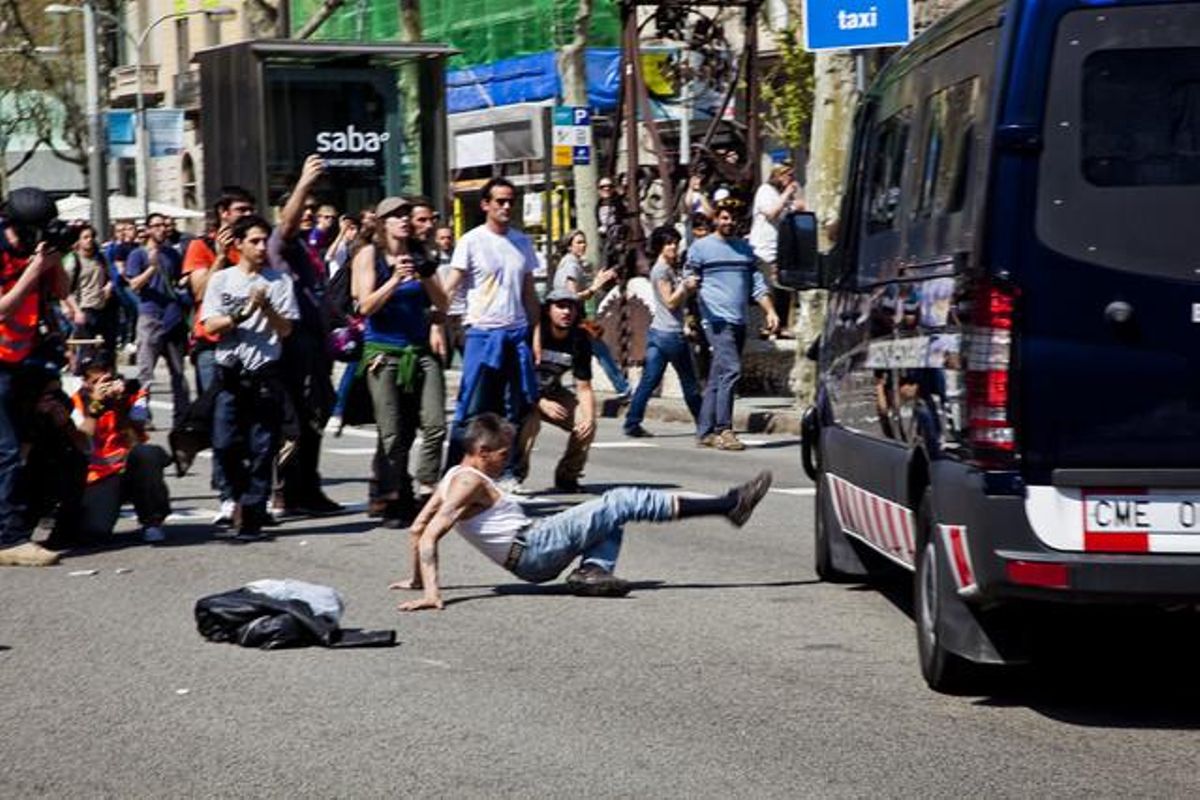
[(1142, 511)]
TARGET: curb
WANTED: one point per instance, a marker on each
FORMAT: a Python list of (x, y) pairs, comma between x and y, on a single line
[(747, 417), (745, 420)]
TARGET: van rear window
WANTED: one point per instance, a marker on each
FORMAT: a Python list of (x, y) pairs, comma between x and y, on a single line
[(1119, 175), (1141, 117)]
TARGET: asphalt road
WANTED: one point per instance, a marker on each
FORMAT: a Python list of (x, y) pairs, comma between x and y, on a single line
[(728, 672)]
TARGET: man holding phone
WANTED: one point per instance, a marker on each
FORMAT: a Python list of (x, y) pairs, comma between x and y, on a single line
[(205, 257)]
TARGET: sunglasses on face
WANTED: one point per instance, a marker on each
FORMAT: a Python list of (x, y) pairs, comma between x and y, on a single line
[(503, 201)]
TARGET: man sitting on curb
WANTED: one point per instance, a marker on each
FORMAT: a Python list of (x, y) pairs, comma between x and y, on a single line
[(565, 348), (122, 467), (494, 523)]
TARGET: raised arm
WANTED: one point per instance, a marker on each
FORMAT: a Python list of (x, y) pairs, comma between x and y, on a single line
[(293, 210)]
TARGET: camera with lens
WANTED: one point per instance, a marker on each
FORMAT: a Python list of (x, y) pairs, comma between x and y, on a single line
[(34, 217)]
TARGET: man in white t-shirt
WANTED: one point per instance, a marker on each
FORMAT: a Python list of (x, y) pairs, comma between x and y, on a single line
[(251, 309), (496, 264), (777, 196)]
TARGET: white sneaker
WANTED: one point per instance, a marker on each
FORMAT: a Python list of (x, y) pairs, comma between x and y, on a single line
[(275, 512), (224, 517), (334, 426), (153, 534)]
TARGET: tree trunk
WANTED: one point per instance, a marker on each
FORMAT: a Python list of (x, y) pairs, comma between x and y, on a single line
[(573, 75), (834, 99), (410, 97)]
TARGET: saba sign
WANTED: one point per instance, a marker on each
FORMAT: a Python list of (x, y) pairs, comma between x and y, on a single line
[(851, 24)]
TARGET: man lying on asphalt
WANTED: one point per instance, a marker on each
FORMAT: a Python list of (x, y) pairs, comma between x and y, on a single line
[(495, 524)]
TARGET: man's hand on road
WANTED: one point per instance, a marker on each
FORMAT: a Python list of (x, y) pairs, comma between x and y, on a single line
[(431, 603), (411, 583)]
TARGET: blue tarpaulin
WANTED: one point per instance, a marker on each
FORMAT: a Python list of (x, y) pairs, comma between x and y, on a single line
[(530, 79)]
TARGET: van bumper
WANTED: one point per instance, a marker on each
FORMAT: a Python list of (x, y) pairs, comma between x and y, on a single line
[(1010, 562)]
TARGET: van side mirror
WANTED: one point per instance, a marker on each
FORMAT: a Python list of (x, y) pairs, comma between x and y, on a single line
[(796, 255)]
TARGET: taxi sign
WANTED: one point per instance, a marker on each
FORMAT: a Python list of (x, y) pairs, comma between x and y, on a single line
[(851, 24)]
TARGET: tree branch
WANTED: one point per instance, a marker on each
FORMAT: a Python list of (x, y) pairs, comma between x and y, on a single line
[(318, 19)]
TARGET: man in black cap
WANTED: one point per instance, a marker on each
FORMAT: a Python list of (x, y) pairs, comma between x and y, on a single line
[(565, 348), (29, 271)]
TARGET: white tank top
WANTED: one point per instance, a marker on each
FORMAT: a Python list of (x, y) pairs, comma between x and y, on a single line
[(492, 530)]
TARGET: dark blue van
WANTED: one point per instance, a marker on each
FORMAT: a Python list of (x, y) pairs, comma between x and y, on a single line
[(1009, 392)]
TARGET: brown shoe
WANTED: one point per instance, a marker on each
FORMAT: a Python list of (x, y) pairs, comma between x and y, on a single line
[(727, 440), (590, 580), (749, 495), (28, 554), (707, 440)]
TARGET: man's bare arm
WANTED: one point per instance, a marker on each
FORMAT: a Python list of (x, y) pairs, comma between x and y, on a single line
[(414, 538), (464, 491)]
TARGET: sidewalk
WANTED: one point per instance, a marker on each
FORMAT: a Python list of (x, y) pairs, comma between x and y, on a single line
[(750, 414)]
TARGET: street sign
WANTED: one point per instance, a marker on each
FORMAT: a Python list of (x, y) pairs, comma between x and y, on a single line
[(851, 24), (572, 135)]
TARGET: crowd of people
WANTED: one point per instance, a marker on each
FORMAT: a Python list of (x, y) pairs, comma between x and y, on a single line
[(262, 312)]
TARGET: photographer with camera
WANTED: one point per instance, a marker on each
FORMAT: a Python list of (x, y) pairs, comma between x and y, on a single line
[(31, 274), (122, 465)]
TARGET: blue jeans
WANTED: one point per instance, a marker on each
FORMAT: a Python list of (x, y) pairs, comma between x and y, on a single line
[(12, 529), (725, 339), (483, 389), (662, 348), (206, 373), (245, 437), (593, 530), (609, 365), (343, 389)]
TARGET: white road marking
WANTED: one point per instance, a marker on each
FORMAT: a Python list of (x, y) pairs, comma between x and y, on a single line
[(348, 431), (622, 445), (350, 451), (207, 514), (799, 491)]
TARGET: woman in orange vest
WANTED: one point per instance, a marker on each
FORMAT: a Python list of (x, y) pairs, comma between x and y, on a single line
[(122, 466)]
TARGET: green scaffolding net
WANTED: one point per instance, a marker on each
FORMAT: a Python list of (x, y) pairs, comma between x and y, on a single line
[(484, 30)]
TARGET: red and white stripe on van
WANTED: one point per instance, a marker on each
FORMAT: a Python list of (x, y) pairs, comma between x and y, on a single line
[(886, 526)]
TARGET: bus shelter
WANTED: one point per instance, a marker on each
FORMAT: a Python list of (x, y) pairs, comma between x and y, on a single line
[(375, 112)]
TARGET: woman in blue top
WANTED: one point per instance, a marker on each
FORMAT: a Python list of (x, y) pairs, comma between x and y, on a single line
[(396, 287)]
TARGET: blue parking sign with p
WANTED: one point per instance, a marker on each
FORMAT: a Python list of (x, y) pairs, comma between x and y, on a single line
[(850, 24)]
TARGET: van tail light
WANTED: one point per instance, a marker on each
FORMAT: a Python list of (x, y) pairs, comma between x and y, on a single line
[(991, 429)]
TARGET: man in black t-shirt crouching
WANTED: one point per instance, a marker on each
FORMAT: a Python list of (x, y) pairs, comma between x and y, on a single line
[(564, 348)]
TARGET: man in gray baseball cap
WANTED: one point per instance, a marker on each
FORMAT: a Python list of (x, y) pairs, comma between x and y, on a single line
[(566, 348)]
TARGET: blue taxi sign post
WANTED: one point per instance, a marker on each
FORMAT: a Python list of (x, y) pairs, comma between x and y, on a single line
[(853, 24)]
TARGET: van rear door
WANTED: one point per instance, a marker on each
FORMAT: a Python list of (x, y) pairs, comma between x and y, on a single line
[(1108, 333)]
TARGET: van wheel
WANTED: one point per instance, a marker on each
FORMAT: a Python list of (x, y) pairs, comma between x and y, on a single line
[(943, 670), (822, 549)]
